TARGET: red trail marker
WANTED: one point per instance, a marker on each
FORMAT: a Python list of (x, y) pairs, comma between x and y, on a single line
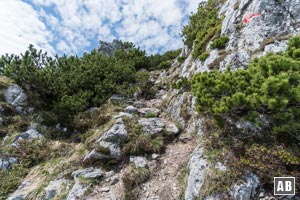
[(250, 16)]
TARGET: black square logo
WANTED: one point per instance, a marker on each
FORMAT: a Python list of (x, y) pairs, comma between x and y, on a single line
[(284, 185)]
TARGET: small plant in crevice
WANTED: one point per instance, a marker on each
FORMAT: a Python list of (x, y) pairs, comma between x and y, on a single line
[(139, 142), (151, 115), (181, 59), (132, 178), (219, 43), (204, 56), (182, 84)]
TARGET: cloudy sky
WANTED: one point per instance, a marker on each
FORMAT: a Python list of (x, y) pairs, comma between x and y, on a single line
[(76, 26)]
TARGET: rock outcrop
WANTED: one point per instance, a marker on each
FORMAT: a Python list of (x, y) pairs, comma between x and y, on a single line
[(7, 163), (197, 166), (248, 189), (15, 96)]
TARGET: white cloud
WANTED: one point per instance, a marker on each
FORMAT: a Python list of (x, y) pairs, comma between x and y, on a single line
[(20, 26), (73, 26)]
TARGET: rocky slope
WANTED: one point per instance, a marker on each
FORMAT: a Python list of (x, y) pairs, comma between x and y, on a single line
[(99, 167)]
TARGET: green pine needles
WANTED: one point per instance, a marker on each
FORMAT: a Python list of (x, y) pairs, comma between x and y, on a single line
[(202, 27), (269, 87)]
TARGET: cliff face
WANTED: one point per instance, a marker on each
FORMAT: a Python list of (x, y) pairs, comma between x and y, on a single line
[(277, 21), (107, 163)]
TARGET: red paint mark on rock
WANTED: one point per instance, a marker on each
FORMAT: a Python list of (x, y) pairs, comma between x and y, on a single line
[(250, 16)]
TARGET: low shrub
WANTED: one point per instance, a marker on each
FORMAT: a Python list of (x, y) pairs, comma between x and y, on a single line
[(164, 65), (204, 56), (31, 152), (181, 59), (132, 178), (219, 43), (11, 179), (139, 143), (150, 115)]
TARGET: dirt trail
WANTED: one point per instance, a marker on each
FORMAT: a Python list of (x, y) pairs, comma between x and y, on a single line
[(165, 169), (163, 184)]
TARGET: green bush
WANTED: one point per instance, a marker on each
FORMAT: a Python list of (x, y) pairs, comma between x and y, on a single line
[(293, 45), (144, 84), (151, 115), (65, 86), (204, 56), (267, 90), (181, 59), (269, 85), (202, 27), (269, 162), (183, 83), (219, 43), (296, 54), (164, 65), (161, 61)]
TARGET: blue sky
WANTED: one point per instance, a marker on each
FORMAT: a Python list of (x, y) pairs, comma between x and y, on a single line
[(76, 26)]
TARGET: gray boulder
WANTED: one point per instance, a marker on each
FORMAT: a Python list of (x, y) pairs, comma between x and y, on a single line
[(94, 156), (145, 111), (15, 96), (21, 193), (152, 126), (114, 149), (16, 198), (246, 190), (197, 166), (131, 110), (138, 161), (30, 134), (78, 190), (111, 140), (172, 128), (123, 114), (116, 134), (55, 187), (90, 173), (119, 121), (7, 163)]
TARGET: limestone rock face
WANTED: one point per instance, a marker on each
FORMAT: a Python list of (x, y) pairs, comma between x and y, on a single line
[(278, 21), (197, 166), (15, 96), (145, 111), (79, 188), (88, 173), (247, 190)]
